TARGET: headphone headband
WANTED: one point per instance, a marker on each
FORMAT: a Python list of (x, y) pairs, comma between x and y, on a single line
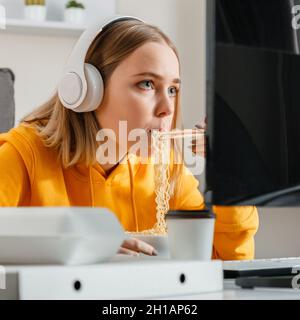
[(74, 86)]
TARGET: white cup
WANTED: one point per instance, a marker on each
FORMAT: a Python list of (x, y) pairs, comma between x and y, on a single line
[(190, 234)]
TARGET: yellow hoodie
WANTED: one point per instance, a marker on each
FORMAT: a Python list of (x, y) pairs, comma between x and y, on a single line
[(31, 175)]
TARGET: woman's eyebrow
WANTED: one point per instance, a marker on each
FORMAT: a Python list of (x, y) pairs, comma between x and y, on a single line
[(155, 75)]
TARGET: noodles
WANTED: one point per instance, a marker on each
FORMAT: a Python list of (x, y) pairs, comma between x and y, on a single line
[(161, 146), (161, 182)]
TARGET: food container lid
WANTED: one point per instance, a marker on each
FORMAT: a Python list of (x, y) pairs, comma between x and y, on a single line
[(190, 214)]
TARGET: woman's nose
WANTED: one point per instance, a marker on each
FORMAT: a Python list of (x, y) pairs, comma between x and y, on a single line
[(164, 107)]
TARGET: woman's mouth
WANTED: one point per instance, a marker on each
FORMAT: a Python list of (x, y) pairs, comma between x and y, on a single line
[(155, 130)]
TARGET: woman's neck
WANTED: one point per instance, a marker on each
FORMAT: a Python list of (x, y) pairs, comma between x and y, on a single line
[(109, 167)]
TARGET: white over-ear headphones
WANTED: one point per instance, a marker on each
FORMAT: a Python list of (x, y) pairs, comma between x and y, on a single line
[(81, 87)]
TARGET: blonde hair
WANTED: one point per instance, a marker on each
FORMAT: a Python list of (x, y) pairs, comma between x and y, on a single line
[(73, 134)]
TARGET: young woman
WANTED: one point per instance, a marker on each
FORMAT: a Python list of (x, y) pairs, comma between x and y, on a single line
[(50, 158)]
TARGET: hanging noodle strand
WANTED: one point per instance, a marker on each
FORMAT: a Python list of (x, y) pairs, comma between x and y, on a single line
[(160, 144)]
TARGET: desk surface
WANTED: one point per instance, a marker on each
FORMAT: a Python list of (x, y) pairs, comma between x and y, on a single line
[(233, 292)]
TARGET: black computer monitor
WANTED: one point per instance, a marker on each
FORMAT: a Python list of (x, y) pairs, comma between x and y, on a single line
[(253, 104), (258, 23)]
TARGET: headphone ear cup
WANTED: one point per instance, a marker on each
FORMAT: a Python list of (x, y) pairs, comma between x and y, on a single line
[(95, 89)]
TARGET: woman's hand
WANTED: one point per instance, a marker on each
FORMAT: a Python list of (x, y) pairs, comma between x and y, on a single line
[(198, 145), (133, 247)]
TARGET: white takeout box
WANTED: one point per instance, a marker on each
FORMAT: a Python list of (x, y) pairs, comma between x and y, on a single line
[(58, 235)]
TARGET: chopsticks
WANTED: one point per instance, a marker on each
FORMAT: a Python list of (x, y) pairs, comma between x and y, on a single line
[(176, 134)]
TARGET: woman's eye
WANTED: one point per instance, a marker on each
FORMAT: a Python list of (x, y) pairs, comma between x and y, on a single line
[(173, 91), (146, 85)]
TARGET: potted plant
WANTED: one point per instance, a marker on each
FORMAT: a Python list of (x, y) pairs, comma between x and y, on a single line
[(74, 12), (35, 10)]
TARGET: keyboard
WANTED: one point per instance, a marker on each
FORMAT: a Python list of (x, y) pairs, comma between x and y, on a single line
[(261, 267)]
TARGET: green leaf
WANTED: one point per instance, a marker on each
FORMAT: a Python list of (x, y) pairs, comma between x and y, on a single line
[(74, 4)]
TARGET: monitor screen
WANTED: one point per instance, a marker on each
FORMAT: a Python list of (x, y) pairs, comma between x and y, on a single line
[(254, 116), (259, 23)]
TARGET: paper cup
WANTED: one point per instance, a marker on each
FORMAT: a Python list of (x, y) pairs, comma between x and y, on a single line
[(190, 234)]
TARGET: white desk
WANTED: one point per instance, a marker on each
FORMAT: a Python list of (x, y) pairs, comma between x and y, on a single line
[(233, 292)]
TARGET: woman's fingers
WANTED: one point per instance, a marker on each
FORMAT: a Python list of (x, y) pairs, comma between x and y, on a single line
[(198, 145), (201, 125), (198, 151), (198, 148), (137, 245), (128, 252)]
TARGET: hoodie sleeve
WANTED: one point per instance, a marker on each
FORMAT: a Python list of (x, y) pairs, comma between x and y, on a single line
[(186, 193), (235, 227), (15, 185)]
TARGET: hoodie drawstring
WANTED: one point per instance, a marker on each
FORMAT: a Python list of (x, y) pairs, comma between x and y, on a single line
[(91, 187), (134, 211), (132, 196)]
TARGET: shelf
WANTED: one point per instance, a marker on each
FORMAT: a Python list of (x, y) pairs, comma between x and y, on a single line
[(49, 28)]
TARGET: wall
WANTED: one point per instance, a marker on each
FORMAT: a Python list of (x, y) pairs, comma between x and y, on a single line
[(14, 8), (37, 61), (37, 78), (278, 234)]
